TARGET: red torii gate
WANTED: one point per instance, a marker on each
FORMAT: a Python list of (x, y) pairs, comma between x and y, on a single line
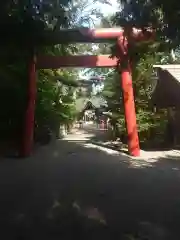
[(89, 61)]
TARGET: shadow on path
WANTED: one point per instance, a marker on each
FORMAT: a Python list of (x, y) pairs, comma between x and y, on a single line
[(73, 190)]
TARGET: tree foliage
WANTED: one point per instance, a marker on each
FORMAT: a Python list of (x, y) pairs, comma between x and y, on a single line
[(55, 98), (162, 17), (143, 56), (22, 21)]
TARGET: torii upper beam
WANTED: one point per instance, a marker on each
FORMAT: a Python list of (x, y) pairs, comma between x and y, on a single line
[(86, 35)]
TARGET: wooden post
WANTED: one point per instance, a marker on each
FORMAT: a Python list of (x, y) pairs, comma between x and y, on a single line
[(28, 133), (128, 97), (129, 110)]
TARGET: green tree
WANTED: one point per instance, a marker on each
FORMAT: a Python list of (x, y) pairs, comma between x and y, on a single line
[(143, 14), (162, 16), (24, 22)]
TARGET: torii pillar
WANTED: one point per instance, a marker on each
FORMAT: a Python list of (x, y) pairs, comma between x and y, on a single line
[(28, 133), (128, 98)]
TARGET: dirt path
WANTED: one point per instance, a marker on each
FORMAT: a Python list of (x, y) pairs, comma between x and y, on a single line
[(72, 189)]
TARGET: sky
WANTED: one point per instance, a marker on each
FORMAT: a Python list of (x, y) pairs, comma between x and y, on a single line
[(107, 9)]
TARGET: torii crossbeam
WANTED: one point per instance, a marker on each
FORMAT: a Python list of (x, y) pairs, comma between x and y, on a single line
[(90, 61), (87, 35)]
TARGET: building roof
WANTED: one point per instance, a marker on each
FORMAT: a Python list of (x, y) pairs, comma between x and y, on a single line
[(96, 101), (166, 91), (173, 69)]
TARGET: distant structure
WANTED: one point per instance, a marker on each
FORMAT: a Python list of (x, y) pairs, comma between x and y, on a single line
[(166, 87), (86, 86), (166, 95), (90, 109)]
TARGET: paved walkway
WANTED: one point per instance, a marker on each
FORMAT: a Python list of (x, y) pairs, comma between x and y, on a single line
[(73, 189)]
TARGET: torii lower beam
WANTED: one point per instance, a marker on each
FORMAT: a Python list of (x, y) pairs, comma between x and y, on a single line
[(90, 61)]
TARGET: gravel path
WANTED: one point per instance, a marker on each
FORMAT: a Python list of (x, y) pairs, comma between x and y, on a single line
[(74, 189)]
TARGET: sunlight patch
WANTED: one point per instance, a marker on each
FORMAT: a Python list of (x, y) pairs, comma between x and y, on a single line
[(107, 150)]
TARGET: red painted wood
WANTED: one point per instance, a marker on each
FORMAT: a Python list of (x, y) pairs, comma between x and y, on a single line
[(103, 33), (114, 33), (30, 112), (130, 113), (54, 62), (128, 95), (82, 35)]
